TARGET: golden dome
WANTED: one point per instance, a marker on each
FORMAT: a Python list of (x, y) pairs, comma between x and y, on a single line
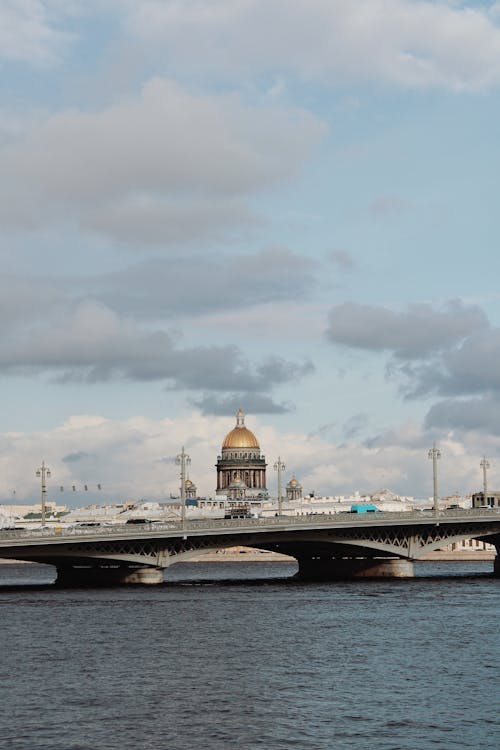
[(240, 436)]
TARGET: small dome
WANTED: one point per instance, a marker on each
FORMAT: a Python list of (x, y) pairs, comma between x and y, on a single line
[(240, 436), (293, 482)]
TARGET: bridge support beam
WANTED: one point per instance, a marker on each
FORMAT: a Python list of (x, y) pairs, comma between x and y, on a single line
[(342, 569), (107, 575)]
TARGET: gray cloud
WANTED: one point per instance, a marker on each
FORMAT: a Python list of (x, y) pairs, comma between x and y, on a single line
[(96, 345), (251, 402), (159, 289), (481, 413), (168, 166), (24, 299), (198, 284), (474, 366), (342, 260), (324, 431), (417, 333), (451, 352), (471, 367), (386, 206), (402, 437), (47, 332), (157, 220), (72, 458), (224, 369), (353, 426)]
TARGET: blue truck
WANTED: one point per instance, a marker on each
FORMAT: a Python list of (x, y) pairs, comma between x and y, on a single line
[(364, 508)]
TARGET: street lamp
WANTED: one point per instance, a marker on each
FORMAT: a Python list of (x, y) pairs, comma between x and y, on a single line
[(485, 466), (43, 472), (184, 460), (434, 453), (279, 466)]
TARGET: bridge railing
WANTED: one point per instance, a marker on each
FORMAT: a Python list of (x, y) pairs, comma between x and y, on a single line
[(320, 519)]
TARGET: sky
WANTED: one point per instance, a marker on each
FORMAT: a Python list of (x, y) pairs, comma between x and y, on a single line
[(288, 206)]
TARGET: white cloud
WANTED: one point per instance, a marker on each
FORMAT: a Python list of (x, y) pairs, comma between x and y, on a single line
[(408, 43), (134, 458), (28, 32)]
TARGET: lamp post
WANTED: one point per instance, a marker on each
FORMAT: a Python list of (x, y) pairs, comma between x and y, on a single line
[(184, 460), (43, 472), (485, 466), (279, 466), (434, 453)]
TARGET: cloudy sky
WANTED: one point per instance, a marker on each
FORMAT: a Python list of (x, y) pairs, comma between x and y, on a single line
[(285, 205)]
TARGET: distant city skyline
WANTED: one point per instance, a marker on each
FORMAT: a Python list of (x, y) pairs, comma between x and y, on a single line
[(288, 207)]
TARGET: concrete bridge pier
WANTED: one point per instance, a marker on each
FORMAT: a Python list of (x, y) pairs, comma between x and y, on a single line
[(323, 568), (496, 564), (107, 575)]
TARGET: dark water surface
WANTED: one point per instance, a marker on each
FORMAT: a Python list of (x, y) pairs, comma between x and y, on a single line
[(228, 655)]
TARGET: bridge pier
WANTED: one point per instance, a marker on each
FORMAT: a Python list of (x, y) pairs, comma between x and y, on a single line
[(107, 575), (325, 568), (496, 565)]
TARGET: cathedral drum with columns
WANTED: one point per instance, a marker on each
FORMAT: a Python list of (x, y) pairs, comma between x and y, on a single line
[(241, 469)]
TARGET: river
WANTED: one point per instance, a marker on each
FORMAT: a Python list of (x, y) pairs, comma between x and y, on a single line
[(238, 655)]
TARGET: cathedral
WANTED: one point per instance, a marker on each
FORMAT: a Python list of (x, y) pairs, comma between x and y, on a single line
[(241, 468), (241, 473)]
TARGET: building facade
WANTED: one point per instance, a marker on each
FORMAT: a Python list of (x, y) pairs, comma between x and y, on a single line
[(241, 468), (492, 500)]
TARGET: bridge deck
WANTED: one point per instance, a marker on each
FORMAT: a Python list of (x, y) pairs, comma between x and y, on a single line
[(51, 535)]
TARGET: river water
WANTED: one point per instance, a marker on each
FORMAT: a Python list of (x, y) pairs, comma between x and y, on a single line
[(237, 655)]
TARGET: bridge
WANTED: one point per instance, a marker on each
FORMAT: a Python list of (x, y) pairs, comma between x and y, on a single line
[(326, 547)]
